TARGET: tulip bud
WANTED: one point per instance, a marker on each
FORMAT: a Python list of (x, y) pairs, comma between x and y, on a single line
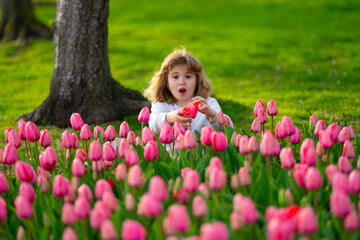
[(313, 180), (320, 126), (244, 177), (129, 202), (262, 116), (68, 215), (190, 140), (344, 135), (299, 174), (151, 151), (333, 131), (14, 138), (220, 118), (340, 182), (203, 189), (131, 157), (233, 138), (340, 204), (138, 141), (27, 191), (97, 217), (269, 146), (243, 145), (135, 176), (354, 182), (286, 158), (235, 181), (296, 137), (158, 188), (95, 151), (218, 231), (348, 150), (271, 108), (217, 179), (144, 115), (191, 181), (77, 168), (319, 149), (32, 132), (61, 186), (218, 141), (123, 147), (82, 207), (179, 219), (325, 140), (85, 132), (166, 133), (98, 129), (10, 154), (289, 197), (109, 153), (108, 231), (25, 172), (66, 139), (149, 206), (132, 229), (147, 135), (205, 137), (20, 234), (76, 121), (307, 222), (3, 211), (131, 138), (312, 122), (238, 138), (178, 129), (199, 207), (259, 104), (121, 172), (351, 221), (235, 221), (23, 207), (256, 125)]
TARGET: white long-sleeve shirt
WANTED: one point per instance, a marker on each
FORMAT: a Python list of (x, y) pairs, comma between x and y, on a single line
[(159, 110)]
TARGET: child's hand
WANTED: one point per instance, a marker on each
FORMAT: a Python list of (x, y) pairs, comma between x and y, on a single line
[(174, 116), (204, 107)]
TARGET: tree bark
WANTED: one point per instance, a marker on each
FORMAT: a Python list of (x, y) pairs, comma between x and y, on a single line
[(82, 80), (18, 22)]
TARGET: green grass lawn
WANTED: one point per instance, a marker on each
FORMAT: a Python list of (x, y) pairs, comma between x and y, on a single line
[(303, 54)]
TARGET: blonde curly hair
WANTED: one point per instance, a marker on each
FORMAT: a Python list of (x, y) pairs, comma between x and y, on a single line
[(158, 91)]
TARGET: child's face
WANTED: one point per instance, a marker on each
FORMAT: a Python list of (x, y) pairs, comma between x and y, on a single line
[(182, 83)]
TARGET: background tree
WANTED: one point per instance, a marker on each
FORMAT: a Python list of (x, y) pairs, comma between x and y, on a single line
[(82, 80), (18, 21)]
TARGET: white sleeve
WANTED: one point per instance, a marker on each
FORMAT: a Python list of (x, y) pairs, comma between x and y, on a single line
[(157, 116)]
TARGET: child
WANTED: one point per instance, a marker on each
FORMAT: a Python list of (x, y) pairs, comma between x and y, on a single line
[(181, 80)]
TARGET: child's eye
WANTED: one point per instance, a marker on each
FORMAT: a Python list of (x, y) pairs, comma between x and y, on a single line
[(175, 77), (188, 76)]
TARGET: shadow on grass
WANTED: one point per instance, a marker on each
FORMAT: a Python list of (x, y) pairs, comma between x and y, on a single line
[(238, 113)]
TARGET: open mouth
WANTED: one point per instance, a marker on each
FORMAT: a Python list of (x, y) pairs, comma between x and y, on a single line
[(182, 90)]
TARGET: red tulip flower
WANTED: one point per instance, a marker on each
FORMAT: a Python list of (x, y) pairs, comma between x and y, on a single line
[(218, 141), (190, 111)]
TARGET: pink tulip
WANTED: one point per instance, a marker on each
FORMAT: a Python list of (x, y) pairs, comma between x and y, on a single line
[(351, 221), (296, 137), (178, 129), (110, 133), (77, 168), (131, 157), (313, 179), (218, 231), (216, 162), (25, 172), (85, 191), (3, 210), (238, 138), (7, 134), (199, 207), (69, 234), (246, 208), (27, 191), (95, 151), (45, 138), (286, 158), (262, 116), (203, 189), (333, 131), (299, 174), (108, 231), (131, 138), (123, 147), (121, 172), (307, 222), (312, 122), (14, 139), (132, 230), (82, 207), (280, 229), (279, 131), (144, 115), (129, 202), (252, 145), (10, 154), (340, 204), (151, 151), (344, 135), (158, 188), (97, 217), (320, 126), (124, 129), (166, 133), (76, 121), (101, 187), (98, 129), (4, 184), (61, 186), (182, 196), (269, 146), (190, 140), (66, 139), (288, 126), (98, 166), (48, 159), (111, 202), (325, 140), (348, 150), (149, 206), (85, 132), (305, 146), (71, 196), (354, 182), (135, 178), (256, 125), (68, 215), (235, 181), (217, 179), (109, 153), (220, 118), (24, 209), (344, 165), (74, 141), (32, 132), (178, 218), (243, 145), (21, 129), (218, 141), (259, 104), (319, 150), (191, 181), (352, 132), (147, 135), (81, 154), (340, 182), (205, 137), (244, 177), (271, 108)]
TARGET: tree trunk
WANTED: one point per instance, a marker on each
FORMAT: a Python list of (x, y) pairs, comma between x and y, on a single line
[(82, 80), (18, 22)]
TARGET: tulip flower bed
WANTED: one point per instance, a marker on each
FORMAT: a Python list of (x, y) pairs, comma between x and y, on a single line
[(212, 185)]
